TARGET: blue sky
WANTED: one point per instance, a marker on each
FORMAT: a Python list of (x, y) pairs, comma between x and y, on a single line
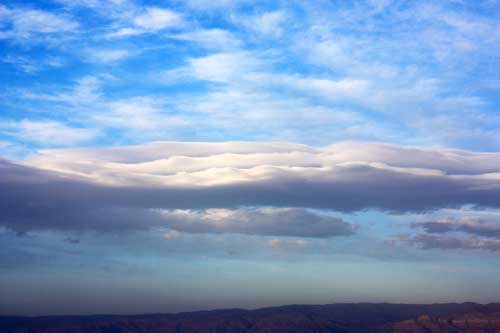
[(403, 72), (181, 155)]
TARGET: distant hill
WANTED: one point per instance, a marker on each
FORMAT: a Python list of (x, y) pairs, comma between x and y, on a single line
[(339, 318)]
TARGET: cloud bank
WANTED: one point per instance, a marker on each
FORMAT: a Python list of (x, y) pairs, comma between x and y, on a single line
[(178, 185), (292, 222), (466, 233)]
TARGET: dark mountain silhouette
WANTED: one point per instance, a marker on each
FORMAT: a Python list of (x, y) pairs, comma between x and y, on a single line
[(341, 318)]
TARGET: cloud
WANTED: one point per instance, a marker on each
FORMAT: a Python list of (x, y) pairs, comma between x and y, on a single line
[(245, 85), (208, 164), (210, 38), (23, 23), (247, 69), (217, 188), (47, 132), (106, 56), (466, 229), (212, 4), (155, 18), (335, 90), (280, 244), (138, 114), (266, 24), (49, 205), (150, 20), (223, 67), (13, 150), (172, 234), (141, 116), (293, 222), (87, 90), (427, 241), (468, 225), (32, 66), (179, 184)]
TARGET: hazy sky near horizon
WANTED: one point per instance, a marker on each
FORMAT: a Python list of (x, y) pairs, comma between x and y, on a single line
[(162, 156)]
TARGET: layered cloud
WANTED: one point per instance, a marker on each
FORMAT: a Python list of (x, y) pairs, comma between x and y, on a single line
[(293, 222), (428, 241), (205, 187), (466, 232), (188, 164), (469, 225)]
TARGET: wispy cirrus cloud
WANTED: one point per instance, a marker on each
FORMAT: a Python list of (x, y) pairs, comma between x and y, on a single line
[(270, 24), (24, 23), (139, 115), (106, 56), (46, 132), (215, 38), (33, 66), (148, 20)]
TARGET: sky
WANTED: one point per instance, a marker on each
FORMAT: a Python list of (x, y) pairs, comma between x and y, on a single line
[(166, 156)]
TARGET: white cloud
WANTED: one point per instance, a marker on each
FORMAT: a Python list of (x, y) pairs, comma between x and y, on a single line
[(212, 164), (48, 133), (87, 90), (268, 23), (31, 66), (148, 20), (106, 56), (138, 114), (30, 21), (223, 67), (346, 88), (135, 117), (380, 5), (124, 32), (25, 22), (212, 4), (211, 38), (155, 18)]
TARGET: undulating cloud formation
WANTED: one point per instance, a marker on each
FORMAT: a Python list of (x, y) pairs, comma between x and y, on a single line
[(346, 176), (205, 187), (192, 154)]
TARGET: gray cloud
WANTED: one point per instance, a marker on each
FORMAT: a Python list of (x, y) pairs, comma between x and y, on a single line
[(33, 199), (127, 188), (469, 233), (294, 222), (429, 241), (468, 225)]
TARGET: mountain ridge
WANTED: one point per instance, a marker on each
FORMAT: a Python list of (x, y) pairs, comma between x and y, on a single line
[(338, 317)]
